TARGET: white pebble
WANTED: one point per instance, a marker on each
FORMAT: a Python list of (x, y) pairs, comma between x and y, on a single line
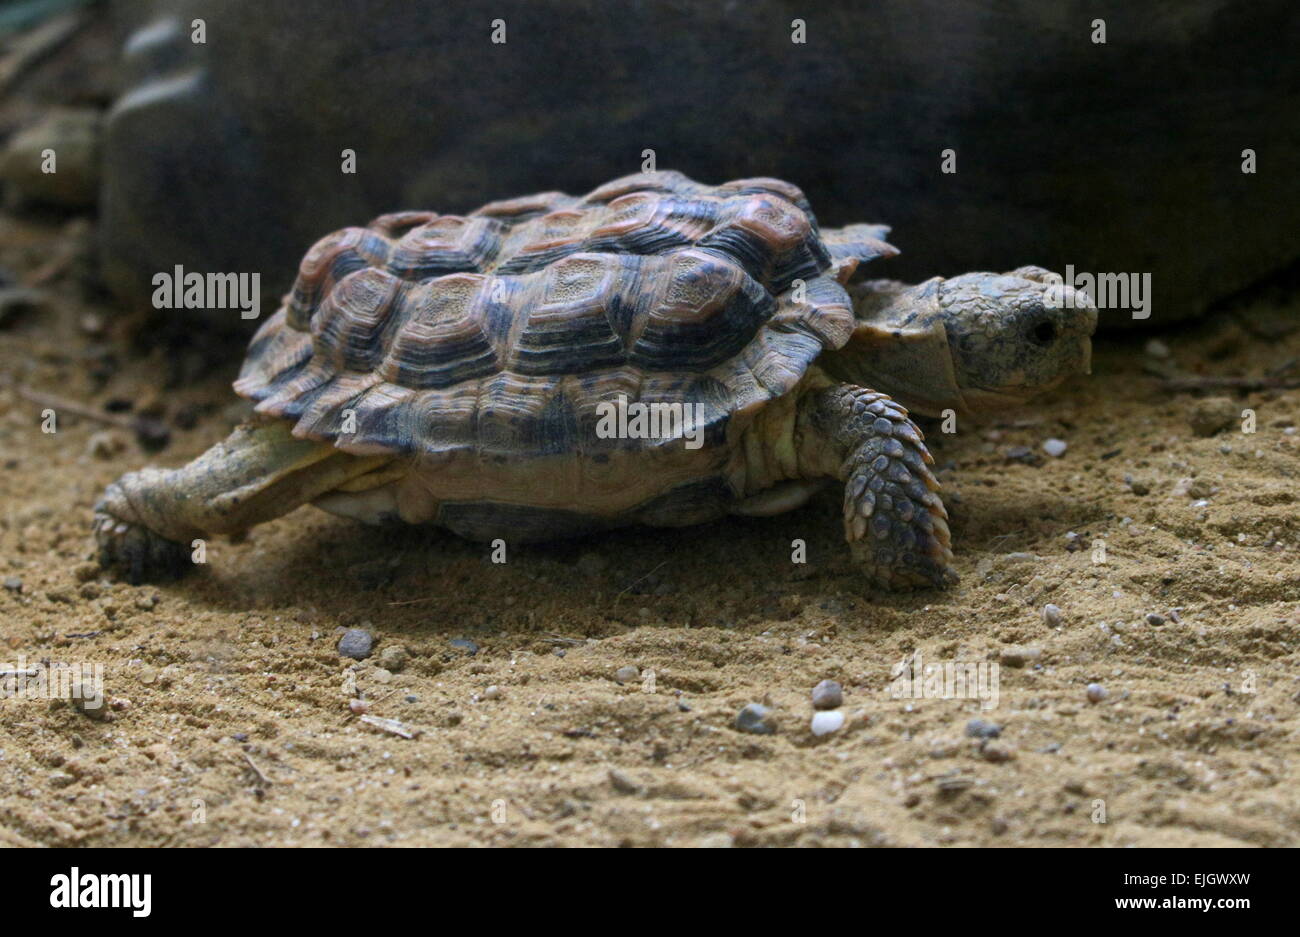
[(827, 721), (493, 692), (1096, 693), (1052, 616), (1055, 447)]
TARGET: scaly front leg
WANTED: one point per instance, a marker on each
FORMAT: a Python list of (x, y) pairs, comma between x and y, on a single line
[(894, 521)]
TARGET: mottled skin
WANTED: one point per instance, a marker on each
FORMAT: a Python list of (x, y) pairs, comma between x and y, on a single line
[(969, 344)]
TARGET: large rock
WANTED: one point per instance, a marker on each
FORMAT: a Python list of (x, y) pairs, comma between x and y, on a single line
[(55, 161), (1122, 157)]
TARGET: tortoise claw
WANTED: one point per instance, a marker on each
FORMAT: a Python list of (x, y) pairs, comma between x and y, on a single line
[(139, 553)]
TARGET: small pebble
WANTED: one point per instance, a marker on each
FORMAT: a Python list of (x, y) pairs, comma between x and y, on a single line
[(1019, 656), (105, 444), (393, 657), (359, 706), (1053, 617), (983, 729), (623, 783), (13, 584), (151, 434), (954, 785), (757, 719), (88, 700), (592, 564), (1156, 348), (626, 674), (493, 692), (1193, 488), (1055, 447), (1023, 454), (1096, 693), (997, 753), (827, 695), (1212, 414), (464, 644), (716, 841), (1155, 620), (16, 301), (356, 643), (826, 722)]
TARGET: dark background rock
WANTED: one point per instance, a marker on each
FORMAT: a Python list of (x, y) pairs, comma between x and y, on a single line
[(1120, 157)]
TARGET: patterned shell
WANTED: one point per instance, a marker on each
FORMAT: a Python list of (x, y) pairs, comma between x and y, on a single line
[(502, 331)]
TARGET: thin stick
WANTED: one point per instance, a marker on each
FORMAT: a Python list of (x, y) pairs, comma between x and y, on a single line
[(76, 408), (635, 581), (151, 434), (256, 770), (34, 46), (1229, 383)]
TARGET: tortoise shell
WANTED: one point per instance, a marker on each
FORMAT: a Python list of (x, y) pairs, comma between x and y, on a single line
[(496, 335)]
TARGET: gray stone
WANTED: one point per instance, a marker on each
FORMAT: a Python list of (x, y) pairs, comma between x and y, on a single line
[(755, 718), (983, 729), (72, 134), (356, 643), (827, 695), (464, 644)]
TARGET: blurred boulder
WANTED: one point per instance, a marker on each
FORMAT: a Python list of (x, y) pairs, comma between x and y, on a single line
[(226, 154), (55, 161)]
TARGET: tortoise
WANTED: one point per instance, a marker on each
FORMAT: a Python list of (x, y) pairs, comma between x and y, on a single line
[(657, 352)]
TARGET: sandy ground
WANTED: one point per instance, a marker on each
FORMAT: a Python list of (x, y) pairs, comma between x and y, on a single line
[(229, 719)]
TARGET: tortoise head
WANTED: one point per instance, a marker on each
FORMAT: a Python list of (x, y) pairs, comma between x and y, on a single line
[(973, 343)]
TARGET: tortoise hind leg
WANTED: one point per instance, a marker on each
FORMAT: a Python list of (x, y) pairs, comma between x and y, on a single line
[(146, 521)]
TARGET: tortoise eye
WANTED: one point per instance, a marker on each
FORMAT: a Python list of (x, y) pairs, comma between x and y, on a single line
[(1044, 332)]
